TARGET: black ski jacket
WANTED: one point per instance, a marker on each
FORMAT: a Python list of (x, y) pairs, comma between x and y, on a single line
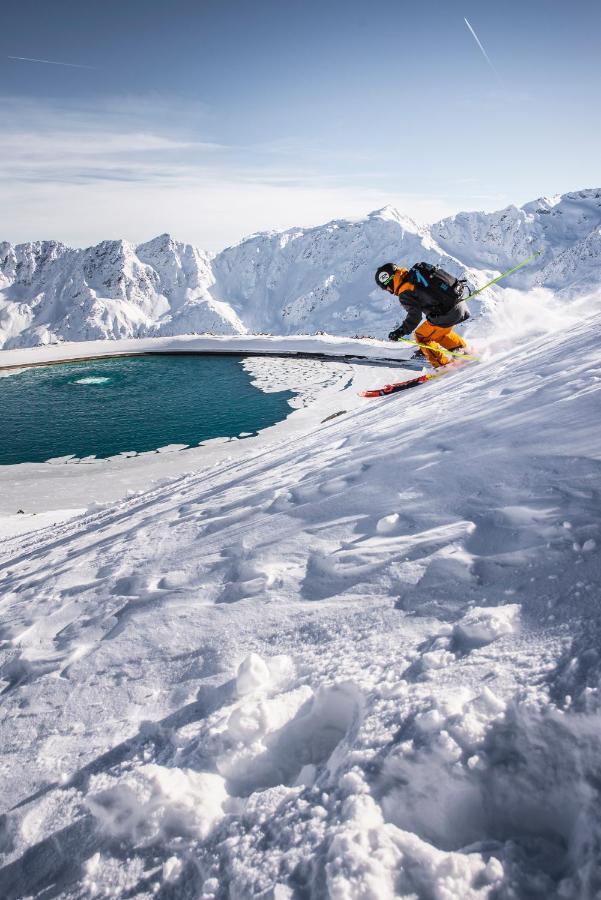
[(420, 303)]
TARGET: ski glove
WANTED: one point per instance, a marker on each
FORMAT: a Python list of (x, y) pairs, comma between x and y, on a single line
[(397, 333)]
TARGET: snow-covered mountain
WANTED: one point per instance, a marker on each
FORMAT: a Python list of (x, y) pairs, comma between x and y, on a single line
[(297, 281), (50, 292), (567, 228)]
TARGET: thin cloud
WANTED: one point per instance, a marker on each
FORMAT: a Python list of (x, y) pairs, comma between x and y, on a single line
[(51, 62), (65, 144), (484, 53), (123, 168), (208, 209), (54, 142)]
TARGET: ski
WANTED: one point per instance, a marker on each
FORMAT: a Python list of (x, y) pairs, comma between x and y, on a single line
[(414, 382), (397, 386)]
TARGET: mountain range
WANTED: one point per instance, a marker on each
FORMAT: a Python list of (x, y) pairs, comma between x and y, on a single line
[(294, 282)]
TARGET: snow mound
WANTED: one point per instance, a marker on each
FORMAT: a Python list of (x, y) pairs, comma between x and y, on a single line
[(483, 625), (157, 803)]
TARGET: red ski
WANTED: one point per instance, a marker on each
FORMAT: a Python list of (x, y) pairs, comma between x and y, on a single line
[(398, 386), (413, 382)]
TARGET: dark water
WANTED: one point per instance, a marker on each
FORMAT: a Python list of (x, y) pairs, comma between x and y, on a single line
[(140, 403)]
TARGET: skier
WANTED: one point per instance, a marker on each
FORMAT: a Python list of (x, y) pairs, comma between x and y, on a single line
[(426, 290)]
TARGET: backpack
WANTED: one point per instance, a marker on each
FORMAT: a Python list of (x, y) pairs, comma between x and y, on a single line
[(444, 289)]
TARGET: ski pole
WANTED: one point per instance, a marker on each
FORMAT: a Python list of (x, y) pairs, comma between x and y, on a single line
[(434, 347), (504, 275)]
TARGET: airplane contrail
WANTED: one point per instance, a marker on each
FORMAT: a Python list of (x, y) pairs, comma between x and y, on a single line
[(51, 62), (484, 53)]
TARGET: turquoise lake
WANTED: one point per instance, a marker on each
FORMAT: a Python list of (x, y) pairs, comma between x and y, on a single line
[(104, 407)]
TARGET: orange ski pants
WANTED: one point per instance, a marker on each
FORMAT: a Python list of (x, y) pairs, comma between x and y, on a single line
[(441, 338)]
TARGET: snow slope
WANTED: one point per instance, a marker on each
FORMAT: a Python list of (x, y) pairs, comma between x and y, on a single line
[(298, 281), (361, 664)]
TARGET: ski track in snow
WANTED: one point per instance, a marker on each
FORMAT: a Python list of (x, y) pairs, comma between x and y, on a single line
[(361, 663)]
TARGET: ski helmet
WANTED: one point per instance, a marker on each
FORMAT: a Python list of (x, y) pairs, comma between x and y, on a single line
[(385, 274)]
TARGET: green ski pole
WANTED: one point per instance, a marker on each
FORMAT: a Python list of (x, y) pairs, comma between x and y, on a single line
[(504, 275)]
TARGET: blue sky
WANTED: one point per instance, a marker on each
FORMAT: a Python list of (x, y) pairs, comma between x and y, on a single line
[(217, 118)]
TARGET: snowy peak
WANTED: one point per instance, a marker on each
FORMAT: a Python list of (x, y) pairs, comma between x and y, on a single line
[(391, 214), (561, 226), (560, 203), (304, 280), (177, 265), (566, 219), (164, 243), (543, 205), (114, 290), (27, 262)]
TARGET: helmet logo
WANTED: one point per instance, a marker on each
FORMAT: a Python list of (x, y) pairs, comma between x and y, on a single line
[(384, 277)]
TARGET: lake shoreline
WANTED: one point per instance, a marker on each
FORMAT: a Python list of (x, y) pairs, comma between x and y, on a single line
[(43, 487)]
